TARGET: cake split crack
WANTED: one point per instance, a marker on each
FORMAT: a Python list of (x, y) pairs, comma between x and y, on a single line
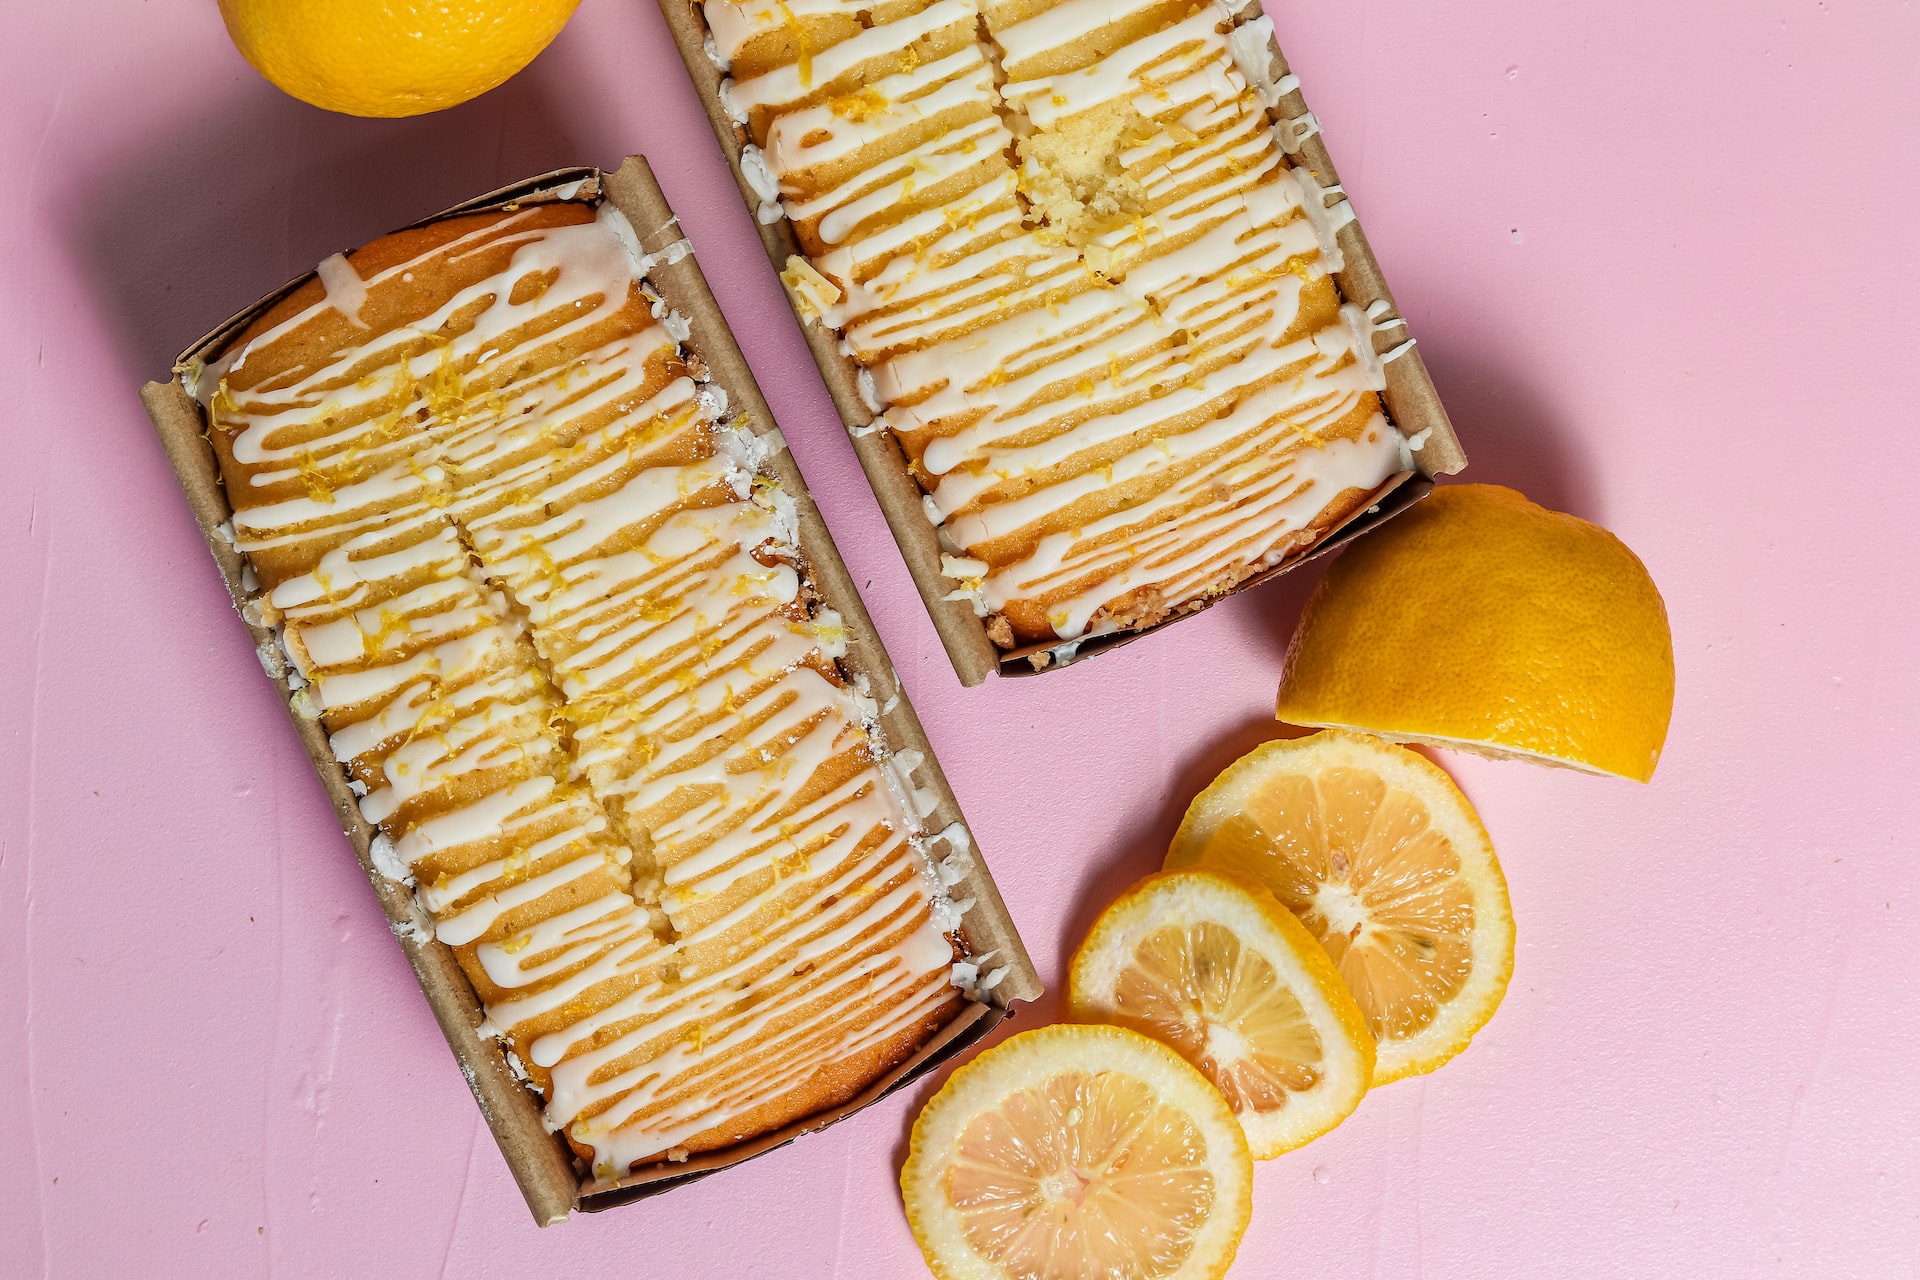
[(1086, 290), (558, 633)]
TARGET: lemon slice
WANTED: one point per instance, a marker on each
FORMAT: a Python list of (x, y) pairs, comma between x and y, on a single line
[(1385, 862), (1213, 966), (1078, 1151)]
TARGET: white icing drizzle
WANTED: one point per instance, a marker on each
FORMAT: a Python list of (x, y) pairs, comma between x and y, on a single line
[(732, 24), (869, 394), (1252, 46), (1328, 220), (1147, 415), (346, 292), (551, 612), (753, 166), (1293, 133), (797, 80)]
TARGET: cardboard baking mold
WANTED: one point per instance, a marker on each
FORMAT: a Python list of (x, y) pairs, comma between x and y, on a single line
[(548, 1175), (1412, 404)]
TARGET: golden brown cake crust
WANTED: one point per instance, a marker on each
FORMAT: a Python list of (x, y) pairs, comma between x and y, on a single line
[(835, 1084), (392, 250)]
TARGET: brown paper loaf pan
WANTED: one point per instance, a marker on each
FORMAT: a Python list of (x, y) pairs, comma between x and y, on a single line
[(546, 1172), (1412, 404)]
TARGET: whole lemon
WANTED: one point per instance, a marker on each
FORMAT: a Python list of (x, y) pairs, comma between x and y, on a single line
[(391, 57), (1481, 621)]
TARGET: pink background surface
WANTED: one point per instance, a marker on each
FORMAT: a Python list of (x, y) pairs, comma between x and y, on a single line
[(1661, 259)]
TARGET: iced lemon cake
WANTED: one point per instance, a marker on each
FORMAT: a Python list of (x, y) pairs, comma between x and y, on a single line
[(551, 610), (1084, 287)]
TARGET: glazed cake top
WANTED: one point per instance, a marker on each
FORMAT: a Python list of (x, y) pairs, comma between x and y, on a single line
[(542, 591)]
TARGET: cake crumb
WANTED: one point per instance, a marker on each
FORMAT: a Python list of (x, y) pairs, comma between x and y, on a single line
[(1073, 178)]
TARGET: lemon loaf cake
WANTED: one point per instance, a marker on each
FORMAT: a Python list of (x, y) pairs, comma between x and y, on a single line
[(551, 610), (1084, 287)]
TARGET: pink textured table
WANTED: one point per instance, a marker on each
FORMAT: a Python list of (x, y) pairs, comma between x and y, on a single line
[(1661, 260)]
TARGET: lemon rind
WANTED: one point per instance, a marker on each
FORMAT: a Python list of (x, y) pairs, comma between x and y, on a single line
[(1029, 1058), (1472, 746), (1463, 1017), (1297, 956)]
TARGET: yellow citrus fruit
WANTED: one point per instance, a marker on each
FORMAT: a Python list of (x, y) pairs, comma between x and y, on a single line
[(1383, 860), (1215, 967), (391, 57), (1078, 1151), (1481, 621)]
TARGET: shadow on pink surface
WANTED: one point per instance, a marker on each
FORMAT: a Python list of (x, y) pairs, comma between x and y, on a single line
[(172, 252), (1513, 433), (1144, 854)]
